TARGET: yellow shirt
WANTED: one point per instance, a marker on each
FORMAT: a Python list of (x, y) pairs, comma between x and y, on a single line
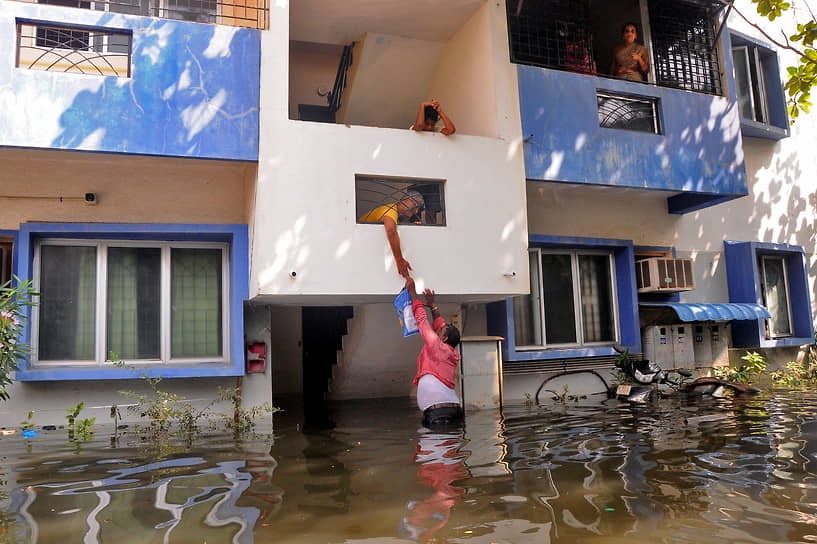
[(377, 214)]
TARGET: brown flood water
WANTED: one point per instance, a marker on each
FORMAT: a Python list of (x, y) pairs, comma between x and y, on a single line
[(595, 472)]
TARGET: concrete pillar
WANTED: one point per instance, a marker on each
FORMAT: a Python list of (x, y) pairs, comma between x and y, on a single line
[(481, 372)]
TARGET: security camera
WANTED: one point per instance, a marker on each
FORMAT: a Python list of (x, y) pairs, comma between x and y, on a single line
[(293, 274), (90, 199)]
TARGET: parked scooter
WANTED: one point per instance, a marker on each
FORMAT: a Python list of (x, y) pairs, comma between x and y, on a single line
[(646, 375)]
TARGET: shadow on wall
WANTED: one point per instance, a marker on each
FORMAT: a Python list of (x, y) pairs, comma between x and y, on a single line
[(192, 94)]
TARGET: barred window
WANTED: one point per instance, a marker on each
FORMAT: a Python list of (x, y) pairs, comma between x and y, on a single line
[(684, 50), (551, 33), (65, 48), (639, 113), (580, 36)]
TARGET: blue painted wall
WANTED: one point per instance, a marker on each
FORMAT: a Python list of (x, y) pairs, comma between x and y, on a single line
[(699, 153), (194, 90)]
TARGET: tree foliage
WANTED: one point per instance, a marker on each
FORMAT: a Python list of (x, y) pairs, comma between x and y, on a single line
[(13, 301), (802, 77)]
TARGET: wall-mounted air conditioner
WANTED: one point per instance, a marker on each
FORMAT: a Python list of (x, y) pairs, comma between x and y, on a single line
[(657, 274)]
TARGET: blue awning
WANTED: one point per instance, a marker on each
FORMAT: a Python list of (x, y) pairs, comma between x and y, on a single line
[(733, 311)]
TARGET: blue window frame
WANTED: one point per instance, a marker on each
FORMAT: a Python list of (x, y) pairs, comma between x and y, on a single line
[(569, 268), (758, 89), (773, 275), (161, 296)]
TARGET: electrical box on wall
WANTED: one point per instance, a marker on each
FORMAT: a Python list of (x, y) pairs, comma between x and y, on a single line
[(657, 345), (702, 343), (256, 358), (682, 350)]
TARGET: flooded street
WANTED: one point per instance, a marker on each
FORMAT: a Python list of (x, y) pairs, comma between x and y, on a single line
[(597, 471)]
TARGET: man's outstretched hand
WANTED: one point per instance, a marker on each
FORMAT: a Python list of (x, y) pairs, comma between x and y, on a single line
[(403, 268)]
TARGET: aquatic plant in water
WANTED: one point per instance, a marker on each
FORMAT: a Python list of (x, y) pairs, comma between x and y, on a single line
[(754, 365)]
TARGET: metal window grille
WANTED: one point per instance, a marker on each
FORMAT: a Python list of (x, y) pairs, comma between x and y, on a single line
[(73, 49), (628, 112), (377, 196), (243, 13), (684, 49), (551, 33)]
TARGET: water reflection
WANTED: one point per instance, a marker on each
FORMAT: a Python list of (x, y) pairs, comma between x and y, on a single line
[(601, 472), (441, 464)]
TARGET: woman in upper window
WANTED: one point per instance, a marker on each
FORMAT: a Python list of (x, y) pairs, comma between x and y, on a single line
[(629, 58)]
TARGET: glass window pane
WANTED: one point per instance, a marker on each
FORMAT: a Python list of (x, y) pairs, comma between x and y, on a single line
[(195, 313), (595, 283), (67, 303), (777, 299), (740, 60), (134, 296), (527, 318), (557, 288)]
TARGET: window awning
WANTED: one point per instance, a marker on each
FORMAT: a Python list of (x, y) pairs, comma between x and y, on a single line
[(733, 311)]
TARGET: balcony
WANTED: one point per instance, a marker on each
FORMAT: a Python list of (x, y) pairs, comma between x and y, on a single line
[(672, 127), (243, 13), (86, 80)]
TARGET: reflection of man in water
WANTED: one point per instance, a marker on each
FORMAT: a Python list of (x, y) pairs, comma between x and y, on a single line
[(440, 466)]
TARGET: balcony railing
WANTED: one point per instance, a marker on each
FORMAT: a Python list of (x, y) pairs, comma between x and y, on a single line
[(243, 13)]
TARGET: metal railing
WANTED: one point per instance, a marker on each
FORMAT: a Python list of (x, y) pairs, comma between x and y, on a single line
[(243, 13), (340, 78)]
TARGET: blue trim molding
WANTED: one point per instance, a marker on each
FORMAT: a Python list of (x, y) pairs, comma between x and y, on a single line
[(743, 278), (777, 126), (236, 236), (500, 314)]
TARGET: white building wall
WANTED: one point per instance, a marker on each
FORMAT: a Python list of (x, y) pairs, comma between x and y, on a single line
[(306, 217)]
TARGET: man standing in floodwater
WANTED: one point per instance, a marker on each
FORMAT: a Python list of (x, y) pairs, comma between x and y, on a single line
[(389, 214), (436, 364)]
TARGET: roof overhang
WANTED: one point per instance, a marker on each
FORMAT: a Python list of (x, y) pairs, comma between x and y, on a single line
[(688, 312)]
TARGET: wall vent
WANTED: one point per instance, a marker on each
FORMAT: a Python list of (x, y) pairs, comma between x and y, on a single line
[(664, 275)]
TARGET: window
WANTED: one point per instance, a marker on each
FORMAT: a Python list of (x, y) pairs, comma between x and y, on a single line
[(62, 48), (628, 112), (775, 291), (758, 89), (202, 11), (572, 300), (775, 276), (410, 201), (5, 261), (580, 35), (156, 302), (749, 82), (684, 49)]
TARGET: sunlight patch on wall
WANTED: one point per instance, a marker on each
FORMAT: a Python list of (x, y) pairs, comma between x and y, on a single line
[(93, 140), (556, 159), (219, 45), (195, 118)]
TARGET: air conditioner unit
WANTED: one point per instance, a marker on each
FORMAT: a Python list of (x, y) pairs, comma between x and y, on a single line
[(657, 274)]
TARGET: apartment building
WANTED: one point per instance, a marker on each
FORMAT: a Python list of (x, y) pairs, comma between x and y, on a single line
[(185, 183)]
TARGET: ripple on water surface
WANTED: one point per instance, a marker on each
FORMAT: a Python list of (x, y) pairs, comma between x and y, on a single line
[(598, 472)]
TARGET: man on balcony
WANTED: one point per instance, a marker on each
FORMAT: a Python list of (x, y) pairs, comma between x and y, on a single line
[(427, 116), (389, 214)]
